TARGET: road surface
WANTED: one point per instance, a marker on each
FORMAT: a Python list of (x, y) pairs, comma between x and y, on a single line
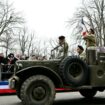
[(69, 98)]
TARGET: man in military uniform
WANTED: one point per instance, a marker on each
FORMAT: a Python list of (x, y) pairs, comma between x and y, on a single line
[(90, 38), (63, 48), (80, 52), (90, 46)]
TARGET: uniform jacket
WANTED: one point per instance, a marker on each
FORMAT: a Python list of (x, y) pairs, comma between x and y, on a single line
[(90, 40), (63, 50)]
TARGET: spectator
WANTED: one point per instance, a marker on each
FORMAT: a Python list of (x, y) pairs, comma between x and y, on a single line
[(11, 59), (44, 58)]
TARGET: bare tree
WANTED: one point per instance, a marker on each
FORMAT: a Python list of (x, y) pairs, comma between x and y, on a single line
[(8, 41), (36, 48), (94, 11), (53, 44), (9, 19), (45, 48), (32, 50), (30, 42), (23, 39)]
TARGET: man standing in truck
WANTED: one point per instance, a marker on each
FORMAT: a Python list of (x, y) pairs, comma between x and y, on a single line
[(63, 48), (90, 38)]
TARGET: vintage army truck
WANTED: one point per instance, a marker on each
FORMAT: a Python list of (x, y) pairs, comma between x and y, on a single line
[(36, 82)]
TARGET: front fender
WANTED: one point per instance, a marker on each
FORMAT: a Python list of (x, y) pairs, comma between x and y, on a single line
[(37, 70)]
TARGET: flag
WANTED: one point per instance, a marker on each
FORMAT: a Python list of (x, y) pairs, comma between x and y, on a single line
[(82, 21), (84, 29)]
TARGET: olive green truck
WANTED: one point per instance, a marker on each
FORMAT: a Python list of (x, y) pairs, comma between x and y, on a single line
[(36, 81)]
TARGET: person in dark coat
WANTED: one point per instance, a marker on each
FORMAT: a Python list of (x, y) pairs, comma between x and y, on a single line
[(11, 59), (9, 62)]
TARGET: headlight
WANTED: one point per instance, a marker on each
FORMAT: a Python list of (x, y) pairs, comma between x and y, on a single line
[(19, 65)]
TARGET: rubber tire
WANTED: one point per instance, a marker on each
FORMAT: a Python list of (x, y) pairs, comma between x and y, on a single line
[(32, 82), (65, 69), (88, 93)]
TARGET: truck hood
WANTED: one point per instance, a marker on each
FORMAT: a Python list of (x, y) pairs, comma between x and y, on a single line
[(29, 63)]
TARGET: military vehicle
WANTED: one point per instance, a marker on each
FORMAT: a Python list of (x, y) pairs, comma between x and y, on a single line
[(36, 81)]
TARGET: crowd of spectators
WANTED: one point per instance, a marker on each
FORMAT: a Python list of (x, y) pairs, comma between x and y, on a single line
[(11, 58), (7, 63)]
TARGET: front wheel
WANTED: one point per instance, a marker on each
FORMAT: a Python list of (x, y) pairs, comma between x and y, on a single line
[(88, 93), (38, 90), (18, 93)]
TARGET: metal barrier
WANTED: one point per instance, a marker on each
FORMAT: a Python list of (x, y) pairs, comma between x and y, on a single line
[(6, 71)]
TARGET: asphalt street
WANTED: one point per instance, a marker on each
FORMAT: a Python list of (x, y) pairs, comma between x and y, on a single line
[(69, 98)]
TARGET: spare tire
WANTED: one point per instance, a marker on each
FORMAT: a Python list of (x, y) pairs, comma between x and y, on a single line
[(74, 71)]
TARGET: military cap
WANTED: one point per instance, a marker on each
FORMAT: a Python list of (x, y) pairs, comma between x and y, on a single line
[(61, 37), (80, 47)]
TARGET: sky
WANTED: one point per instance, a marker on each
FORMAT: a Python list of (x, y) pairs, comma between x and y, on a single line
[(47, 17)]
